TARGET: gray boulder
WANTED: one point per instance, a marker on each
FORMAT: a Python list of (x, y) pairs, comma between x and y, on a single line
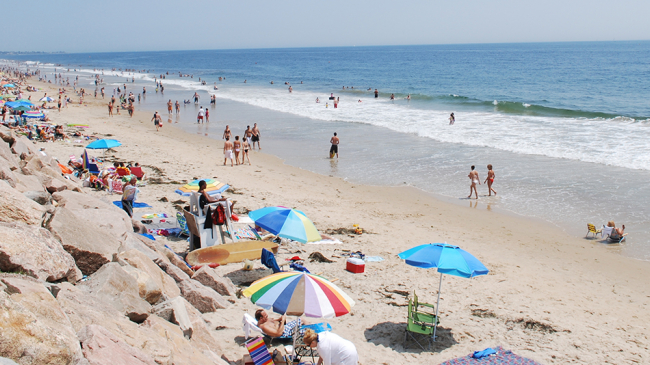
[(114, 285), (35, 252), (90, 246), (34, 329), (15, 207), (101, 347), (209, 277)]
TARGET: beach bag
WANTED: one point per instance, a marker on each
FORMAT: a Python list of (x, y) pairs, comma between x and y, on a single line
[(219, 215)]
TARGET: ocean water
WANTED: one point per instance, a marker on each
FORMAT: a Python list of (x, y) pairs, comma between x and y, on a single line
[(564, 124)]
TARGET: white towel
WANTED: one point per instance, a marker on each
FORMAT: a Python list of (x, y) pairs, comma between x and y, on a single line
[(249, 323), (606, 231)]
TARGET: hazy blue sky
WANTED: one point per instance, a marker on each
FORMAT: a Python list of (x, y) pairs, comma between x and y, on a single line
[(119, 25)]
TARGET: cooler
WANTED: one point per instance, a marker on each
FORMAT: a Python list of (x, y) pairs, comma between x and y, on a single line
[(355, 265)]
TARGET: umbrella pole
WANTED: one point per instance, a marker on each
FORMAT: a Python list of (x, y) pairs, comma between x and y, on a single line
[(435, 328)]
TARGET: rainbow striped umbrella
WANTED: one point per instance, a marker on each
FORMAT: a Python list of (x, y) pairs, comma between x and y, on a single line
[(34, 114), (285, 222), (213, 187), (298, 293)]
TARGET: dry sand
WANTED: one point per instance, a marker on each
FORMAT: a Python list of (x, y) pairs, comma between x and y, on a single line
[(549, 296)]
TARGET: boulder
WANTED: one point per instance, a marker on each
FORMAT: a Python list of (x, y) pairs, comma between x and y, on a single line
[(40, 197), (105, 215), (175, 311), (201, 297), (114, 285), (83, 308), (6, 173), (201, 334), (28, 183), (7, 135), (101, 347), (20, 148), (90, 246), (182, 351), (172, 270), (176, 260), (138, 227), (15, 207), (147, 287), (7, 155), (55, 185), (139, 260), (209, 277), (133, 242), (35, 252), (34, 329)]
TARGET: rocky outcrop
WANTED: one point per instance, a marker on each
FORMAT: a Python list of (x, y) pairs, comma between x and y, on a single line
[(28, 183), (20, 148), (148, 289), (90, 246), (175, 311), (209, 277), (34, 329), (15, 207), (33, 251), (101, 347), (6, 172), (139, 260), (115, 286), (181, 350), (39, 197)]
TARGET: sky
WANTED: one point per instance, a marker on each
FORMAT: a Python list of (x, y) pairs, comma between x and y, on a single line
[(156, 25)]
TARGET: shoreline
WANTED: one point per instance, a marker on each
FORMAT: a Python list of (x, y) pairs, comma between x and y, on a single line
[(562, 285)]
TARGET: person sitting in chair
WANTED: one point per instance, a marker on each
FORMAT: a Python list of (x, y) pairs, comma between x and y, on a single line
[(205, 198), (617, 233), (275, 327)]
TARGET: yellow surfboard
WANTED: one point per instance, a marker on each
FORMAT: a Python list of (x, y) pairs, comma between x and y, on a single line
[(230, 252)]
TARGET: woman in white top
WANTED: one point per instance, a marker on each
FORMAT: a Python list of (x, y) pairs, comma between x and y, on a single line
[(332, 348)]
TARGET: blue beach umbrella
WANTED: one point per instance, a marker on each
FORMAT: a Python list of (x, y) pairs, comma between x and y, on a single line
[(102, 144), (285, 222), (448, 259), (9, 85)]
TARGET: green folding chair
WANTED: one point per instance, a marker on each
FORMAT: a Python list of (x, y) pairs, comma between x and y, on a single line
[(420, 322)]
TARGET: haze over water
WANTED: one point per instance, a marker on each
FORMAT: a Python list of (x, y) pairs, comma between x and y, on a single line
[(564, 124)]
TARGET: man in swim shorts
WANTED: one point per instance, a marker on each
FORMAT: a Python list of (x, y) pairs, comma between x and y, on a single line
[(199, 117), (227, 152), (256, 136), (473, 176), (334, 149), (248, 134)]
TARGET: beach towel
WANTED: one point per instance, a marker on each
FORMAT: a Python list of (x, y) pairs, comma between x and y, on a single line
[(258, 351), (268, 260), (502, 357), (135, 205)]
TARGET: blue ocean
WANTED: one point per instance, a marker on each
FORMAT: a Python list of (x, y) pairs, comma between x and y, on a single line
[(565, 125)]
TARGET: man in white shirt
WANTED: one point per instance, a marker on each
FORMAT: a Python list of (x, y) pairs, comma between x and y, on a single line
[(199, 118), (332, 348)]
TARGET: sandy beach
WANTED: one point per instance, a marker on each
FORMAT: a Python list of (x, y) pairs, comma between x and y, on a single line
[(549, 296)]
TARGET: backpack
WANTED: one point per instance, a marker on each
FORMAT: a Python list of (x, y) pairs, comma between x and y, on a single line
[(219, 215)]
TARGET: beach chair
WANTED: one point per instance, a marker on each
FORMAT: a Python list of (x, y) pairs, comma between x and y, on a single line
[(592, 229), (137, 171), (259, 352), (614, 237), (249, 323), (300, 349), (182, 224), (420, 323)]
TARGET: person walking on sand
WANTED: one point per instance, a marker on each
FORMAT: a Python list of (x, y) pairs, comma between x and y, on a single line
[(169, 106), (248, 134), (157, 121), (246, 145), (452, 119), (226, 133), (110, 109), (334, 149), (227, 151), (256, 136), (490, 180), (473, 176), (237, 147)]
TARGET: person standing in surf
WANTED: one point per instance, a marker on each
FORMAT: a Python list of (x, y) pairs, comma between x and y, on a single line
[(334, 150), (452, 119), (376, 93), (490, 180), (473, 176)]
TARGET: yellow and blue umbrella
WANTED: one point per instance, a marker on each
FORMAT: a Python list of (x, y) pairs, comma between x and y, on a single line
[(213, 187), (299, 293), (285, 222)]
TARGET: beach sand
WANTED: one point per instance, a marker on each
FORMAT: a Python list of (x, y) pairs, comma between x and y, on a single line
[(549, 296)]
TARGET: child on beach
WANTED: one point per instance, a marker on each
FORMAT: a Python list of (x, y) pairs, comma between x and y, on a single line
[(490, 180)]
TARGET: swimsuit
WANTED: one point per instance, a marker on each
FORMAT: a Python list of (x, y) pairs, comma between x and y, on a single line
[(228, 154), (255, 138), (334, 149)]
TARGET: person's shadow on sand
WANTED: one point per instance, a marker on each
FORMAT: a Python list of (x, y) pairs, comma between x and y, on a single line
[(391, 334)]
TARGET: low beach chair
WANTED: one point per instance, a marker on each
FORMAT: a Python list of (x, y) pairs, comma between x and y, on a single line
[(249, 323), (592, 229), (137, 171), (259, 352), (420, 322)]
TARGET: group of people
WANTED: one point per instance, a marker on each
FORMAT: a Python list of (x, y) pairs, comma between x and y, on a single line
[(475, 180), (240, 148)]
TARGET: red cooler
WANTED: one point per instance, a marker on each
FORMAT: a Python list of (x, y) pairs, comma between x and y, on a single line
[(355, 265)]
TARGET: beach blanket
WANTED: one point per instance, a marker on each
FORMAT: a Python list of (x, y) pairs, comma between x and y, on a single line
[(502, 357), (118, 203), (246, 233)]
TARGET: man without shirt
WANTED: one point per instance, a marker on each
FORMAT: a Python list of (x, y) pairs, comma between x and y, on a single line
[(248, 134), (275, 327), (227, 152), (334, 150), (256, 136), (473, 176)]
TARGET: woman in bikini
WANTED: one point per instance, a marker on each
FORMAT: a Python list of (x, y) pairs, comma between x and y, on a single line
[(490, 181), (237, 146), (244, 155), (226, 133)]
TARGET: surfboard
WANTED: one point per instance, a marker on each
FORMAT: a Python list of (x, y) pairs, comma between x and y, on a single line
[(230, 252)]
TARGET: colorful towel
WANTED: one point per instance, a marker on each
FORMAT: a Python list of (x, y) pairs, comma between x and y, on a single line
[(118, 203), (502, 357), (258, 351), (246, 233)]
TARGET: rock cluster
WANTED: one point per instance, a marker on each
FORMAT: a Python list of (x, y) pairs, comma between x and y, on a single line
[(78, 285)]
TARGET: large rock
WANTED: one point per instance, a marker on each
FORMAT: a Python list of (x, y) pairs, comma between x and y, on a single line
[(101, 347), (20, 148), (180, 263), (139, 260), (55, 185), (172, 270), (148, 289), (105, 215), (34, 329), (175, 311), (182, 351), (7, 155), (34, 252), (201, 334), (15, 207), (39, 197), (209, 277), (28, 183), (114, 285), (83, 308), (90, 246), (6, 173), (201, 297), (41, 167), (133, 241), (7, 135)]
